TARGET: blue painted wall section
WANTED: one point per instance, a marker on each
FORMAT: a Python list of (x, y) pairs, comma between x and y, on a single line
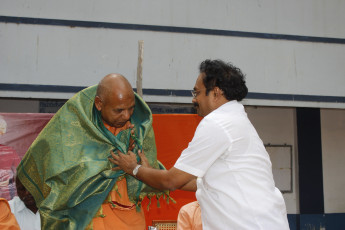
[(331, 221), (335, 221), (312, 221), (170, 92), (171, 29), (293, 221)]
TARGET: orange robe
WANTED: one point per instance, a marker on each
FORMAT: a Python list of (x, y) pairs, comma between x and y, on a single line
[(7, 219), (117, 212)]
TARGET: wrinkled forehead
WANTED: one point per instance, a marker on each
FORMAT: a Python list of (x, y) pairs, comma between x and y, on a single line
[(121, 97)]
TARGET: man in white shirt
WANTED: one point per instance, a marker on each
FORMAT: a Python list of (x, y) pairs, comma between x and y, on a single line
[(24, 209), (225, 163)]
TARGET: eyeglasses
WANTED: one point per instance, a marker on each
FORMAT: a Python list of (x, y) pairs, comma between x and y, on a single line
[(195, 93)]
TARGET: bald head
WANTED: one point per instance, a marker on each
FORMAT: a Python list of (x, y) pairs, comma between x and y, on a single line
[(113, 85), (115, 100)]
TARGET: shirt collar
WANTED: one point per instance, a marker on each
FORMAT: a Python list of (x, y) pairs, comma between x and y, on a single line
[(19, 204)]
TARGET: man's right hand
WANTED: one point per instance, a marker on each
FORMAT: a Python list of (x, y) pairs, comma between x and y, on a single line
[(126, 162)]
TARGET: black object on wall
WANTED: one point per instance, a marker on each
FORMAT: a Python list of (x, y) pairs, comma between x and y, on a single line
[(310, 161)]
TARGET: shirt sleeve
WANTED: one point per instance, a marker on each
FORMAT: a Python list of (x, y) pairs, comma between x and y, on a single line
[(210, 141)]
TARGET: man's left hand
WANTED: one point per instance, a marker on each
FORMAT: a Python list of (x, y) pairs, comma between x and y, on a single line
[(131, 140)]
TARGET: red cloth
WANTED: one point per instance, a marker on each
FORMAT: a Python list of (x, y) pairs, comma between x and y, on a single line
[(8, 163), (21, 130), (173, 132)]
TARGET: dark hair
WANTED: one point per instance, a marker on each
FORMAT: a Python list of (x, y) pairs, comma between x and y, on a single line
[(225, 76)]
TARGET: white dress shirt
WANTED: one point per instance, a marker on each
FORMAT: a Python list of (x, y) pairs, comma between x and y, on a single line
[(235, 186), (26, 219)]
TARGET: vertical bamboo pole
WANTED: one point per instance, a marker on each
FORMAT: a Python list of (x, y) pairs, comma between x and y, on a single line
[(140, 68)]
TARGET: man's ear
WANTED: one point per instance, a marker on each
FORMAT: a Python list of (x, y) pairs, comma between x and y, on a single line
[(98, 103), (217, 92)]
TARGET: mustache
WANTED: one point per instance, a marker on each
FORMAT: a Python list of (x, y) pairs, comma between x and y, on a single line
[(195, 107)]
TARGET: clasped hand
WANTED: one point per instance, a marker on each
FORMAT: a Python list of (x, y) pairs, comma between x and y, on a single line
[(127, 162)]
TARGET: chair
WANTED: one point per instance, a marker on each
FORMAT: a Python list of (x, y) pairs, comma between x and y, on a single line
[(165, 224)]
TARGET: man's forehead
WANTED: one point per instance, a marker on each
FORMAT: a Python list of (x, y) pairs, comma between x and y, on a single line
[(199, 84), (122, 103), (119, 95)]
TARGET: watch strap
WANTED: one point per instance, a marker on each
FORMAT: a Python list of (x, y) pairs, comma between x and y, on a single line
[(136, 169)]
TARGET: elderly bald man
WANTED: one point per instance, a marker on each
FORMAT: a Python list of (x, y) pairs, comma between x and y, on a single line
[(67, 169)]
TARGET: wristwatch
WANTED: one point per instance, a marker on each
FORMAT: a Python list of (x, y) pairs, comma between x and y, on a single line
[(135, 170)]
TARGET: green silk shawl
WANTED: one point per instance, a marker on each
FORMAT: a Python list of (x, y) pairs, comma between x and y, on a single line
[(66, 168)]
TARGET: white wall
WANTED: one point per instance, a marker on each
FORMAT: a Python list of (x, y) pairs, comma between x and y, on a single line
[(333, 159), (277, 126), (57, 55), (323, 18)]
